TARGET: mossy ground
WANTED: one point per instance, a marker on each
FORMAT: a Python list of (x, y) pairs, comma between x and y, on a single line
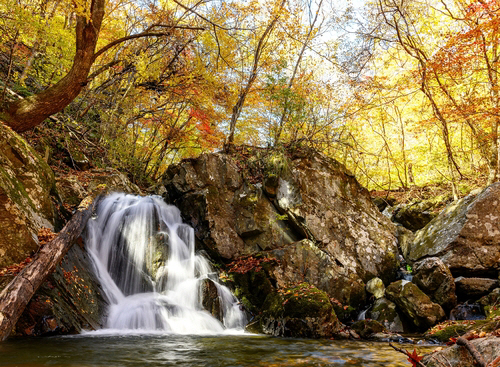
[(448, 331)]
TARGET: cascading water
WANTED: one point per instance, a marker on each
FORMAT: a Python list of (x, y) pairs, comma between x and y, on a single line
[(145, 259)]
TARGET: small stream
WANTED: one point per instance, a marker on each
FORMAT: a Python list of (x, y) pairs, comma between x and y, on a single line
[(99, 349)]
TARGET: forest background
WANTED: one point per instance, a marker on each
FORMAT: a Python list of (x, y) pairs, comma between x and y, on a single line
[(403, 92)]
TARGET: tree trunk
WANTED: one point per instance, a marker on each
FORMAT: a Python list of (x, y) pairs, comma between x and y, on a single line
[(15, 297), (24, 114)]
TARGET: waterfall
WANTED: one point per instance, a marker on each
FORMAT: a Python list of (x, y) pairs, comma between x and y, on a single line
[(145, 259)]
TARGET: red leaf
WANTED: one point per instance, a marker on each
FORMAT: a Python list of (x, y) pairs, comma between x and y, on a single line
[(414, 358)]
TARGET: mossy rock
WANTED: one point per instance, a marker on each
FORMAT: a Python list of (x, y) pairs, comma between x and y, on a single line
[(366, 328), (26, 185), (302, 311), (415, 304), (252, 288), (491, 304)]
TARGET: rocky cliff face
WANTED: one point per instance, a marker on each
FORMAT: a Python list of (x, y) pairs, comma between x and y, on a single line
[(465, 236), (305, 210), (26, 183)]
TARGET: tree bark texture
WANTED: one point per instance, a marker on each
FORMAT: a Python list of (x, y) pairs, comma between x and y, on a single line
[(15, 297), (24, 114)]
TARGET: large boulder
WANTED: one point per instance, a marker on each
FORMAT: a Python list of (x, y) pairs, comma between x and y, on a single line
[(459, 356), (302, 312), (474, 288), (415, 304), (465, 236), (435, 279), (306, 210), (26, 184)]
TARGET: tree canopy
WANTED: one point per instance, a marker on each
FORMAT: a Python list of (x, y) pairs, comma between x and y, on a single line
[(403, 92)]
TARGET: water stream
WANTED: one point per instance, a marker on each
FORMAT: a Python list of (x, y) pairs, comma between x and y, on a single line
[(145, 259)]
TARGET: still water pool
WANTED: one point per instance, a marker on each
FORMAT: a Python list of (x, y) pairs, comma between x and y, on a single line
[(189, 350)]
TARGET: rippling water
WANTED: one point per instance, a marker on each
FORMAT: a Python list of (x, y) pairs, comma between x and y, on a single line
[(183, 350)]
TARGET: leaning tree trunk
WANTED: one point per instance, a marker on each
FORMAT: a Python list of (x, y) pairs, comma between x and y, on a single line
[(15, 297), (24, 114)]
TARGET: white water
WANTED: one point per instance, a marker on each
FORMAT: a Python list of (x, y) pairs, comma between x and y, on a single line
[(145, 259)]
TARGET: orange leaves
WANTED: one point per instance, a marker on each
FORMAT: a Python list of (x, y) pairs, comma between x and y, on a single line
[(45, 235), (14, 269), (250, 263)]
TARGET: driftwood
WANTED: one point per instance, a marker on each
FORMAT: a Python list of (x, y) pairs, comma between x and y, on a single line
[(16, 295)]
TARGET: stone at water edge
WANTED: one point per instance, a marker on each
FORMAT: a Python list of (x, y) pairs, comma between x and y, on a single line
[(435, 279), (299, 312), (458, 356), (465, 236), (415, 304), (385, 312)]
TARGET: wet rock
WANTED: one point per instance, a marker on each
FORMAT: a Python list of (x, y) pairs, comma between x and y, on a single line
[(491, 304), (376, 287), (467, 311), (456, 355), (71, 300), (366, 328), (26, 184), (415, 304), (211, 300), (474, 288), (385, 312), (435, 279), (465, 236), (300, 312)]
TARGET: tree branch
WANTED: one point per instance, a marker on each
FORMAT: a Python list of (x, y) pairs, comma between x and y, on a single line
[(142, 35)]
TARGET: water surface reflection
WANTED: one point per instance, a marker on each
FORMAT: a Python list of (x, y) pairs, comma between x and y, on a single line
[(186, 350)]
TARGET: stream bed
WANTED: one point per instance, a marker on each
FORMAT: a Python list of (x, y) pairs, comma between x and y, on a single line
[(97, 349)]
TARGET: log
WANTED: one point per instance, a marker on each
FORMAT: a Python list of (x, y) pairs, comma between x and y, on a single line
[(16, 295)]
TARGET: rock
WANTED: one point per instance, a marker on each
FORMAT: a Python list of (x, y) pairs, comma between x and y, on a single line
[(382, 203), (456, 355), (405, 240), (26, 184), (413, 216), (307, 210), (435, 279), (491, 304), (376, 287), (366, 328), (71, 300), (465, 236), (300, 312), (74, 187), (415, 304), (384, 311), (304, 261), (210, 299), (474, 288), (467, 311)]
